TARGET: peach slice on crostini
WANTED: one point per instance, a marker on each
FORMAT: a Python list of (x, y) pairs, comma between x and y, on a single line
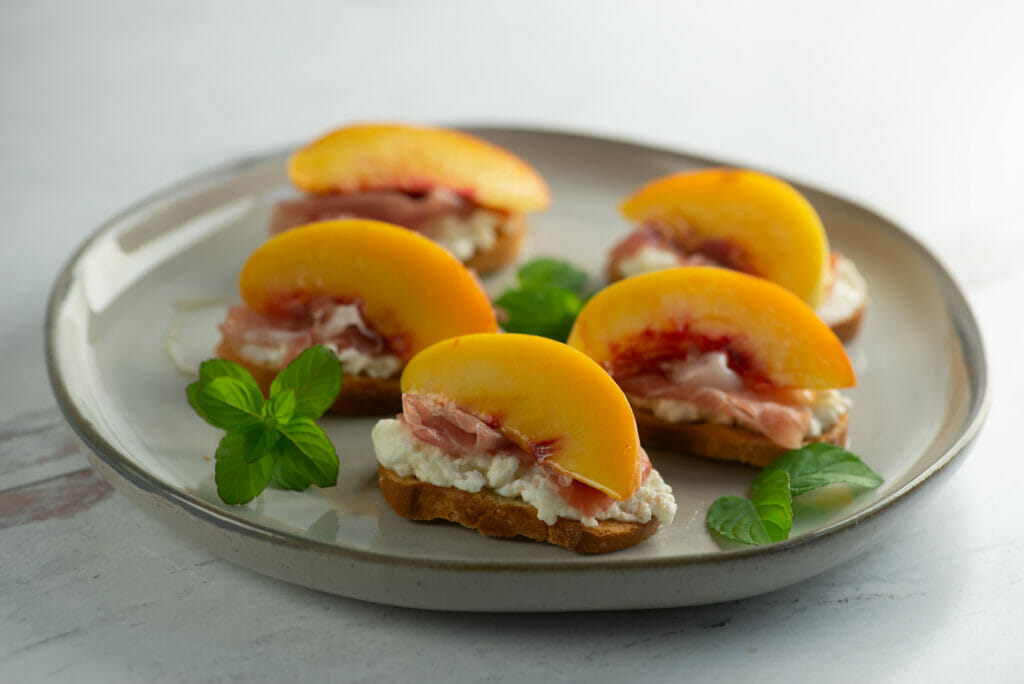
[(410, 288), (772, 339), (750, 221), (547, 398), (417, 159)]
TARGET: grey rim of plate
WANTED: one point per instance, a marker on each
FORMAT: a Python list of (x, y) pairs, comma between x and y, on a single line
[(512, 584)]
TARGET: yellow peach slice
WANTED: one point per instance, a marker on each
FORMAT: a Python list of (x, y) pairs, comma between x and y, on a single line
[(547, 398), (413, 159), (411, 288), (760, 220), (772, 339)]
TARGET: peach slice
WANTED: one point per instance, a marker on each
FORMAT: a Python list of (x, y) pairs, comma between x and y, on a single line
[(411, 288), (547, 398), (413, 159), (772, 339), (760, 220)]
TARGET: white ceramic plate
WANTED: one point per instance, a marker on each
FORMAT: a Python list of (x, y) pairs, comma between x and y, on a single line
[(921, 399)]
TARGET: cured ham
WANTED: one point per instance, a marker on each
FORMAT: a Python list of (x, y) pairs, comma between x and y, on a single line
[(414, 211), (293, 324), (718, 393)]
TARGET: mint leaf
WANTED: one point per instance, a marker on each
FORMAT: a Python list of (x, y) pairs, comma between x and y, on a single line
[(544, 310), (791, 474), (230, 403), (280, 408), (239, 480), (547, 272), (817, 465), (774, 504), (735, 518), (305, 449), (315, 376), (287, 477), (209, 370), (260, 441), (274, 439)]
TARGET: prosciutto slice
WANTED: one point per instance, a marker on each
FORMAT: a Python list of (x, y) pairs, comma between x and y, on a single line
[(293, 324), (451, 430), (707, 382), (416, 212)]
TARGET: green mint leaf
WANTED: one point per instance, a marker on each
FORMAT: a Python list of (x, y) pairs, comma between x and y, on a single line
[(817, 465), (545, 311), (260, 441), (315, 376), (305, 449), (735, 518), (547, 272), (238, 479), (208, 371), (774, 504), (280, 408), (230, 403), (286, 476)]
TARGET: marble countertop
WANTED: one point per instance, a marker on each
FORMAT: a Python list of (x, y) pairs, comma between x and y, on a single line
[(912, 109)]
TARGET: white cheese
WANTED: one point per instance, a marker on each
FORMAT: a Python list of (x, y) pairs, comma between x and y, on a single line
[(648, 258), (510, 477), (357, 363), (464, 237), (849, 293)]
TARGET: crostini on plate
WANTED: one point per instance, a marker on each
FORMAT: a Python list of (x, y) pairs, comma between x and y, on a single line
[(375, 293), (517, 435), (718, 363), (746, 221), (461, 191)]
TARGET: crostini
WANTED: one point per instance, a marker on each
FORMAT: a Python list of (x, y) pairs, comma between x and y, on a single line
[(718, 363), (517, 435), (463, 192), (374, 293), (746, 221)]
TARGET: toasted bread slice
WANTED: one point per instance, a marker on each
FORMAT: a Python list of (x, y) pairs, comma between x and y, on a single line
[(498, 516), (724, 442), (359, 396)]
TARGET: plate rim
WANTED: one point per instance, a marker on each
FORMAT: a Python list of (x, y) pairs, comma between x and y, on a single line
[(968, 335)]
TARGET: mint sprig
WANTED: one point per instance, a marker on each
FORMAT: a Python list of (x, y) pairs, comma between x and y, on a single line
[(768, 515), (274, 439), (547, 301)]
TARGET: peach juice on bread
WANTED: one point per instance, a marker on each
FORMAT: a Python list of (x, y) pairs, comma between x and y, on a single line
[(463, 192), (517, 435), (374, 293), (718, 363), (746, 221)]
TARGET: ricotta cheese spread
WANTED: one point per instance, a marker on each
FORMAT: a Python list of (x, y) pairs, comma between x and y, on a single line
[(508, 476), (849, 292), (648, 258), (465, 236)]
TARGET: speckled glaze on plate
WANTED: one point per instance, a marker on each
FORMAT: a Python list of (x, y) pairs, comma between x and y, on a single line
[(921, 399)]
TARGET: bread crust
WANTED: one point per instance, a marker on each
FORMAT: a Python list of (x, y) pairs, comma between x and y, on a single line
[(723, 442), (505, 248), (359, 395), (498, 516)]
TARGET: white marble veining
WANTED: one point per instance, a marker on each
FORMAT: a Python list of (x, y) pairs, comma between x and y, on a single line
[(913, 108)]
